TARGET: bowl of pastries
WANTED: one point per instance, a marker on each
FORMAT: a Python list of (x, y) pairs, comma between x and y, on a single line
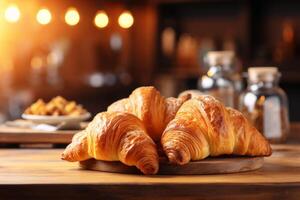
[(58, 110)]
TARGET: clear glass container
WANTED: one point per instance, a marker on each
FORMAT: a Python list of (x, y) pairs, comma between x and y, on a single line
[(265, 104), (221, 81)]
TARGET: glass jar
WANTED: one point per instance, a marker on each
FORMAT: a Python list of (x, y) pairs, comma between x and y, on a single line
[(221, 81), (265, 104)]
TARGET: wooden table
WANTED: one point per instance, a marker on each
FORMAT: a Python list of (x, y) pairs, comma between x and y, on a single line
[(40, 174)]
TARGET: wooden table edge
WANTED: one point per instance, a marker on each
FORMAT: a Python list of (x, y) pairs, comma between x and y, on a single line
[(154, 184), (151, 191)]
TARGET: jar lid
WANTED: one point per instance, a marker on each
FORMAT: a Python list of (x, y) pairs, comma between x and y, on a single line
[(220, 57), (262, 73)]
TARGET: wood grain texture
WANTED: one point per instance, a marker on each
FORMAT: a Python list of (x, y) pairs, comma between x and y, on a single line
[(40, 174), (220, 165), (25, 135)]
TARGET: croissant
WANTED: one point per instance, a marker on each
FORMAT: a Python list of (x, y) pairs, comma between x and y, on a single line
[(192, 93), (154, 110), (203, 127), (113, 136)]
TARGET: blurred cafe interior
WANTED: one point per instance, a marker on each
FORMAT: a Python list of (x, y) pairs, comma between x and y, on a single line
[(51, 48), (96, 52)]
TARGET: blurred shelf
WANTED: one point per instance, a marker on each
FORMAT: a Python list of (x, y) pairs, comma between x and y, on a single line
[(182, 72)]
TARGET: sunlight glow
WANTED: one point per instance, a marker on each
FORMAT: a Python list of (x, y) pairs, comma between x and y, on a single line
[(12, 14)]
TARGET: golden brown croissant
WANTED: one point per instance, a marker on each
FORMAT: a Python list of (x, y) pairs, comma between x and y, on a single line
[(113, 136), (203, 127), (154, 110)]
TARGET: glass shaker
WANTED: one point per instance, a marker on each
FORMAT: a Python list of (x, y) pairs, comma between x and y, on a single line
[(265, 104), (221, 80)]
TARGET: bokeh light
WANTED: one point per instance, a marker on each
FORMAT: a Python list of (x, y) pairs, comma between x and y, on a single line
[(44, 16), (101, 19), (126, 20), (72, 17), (116, 42), (12, 13)]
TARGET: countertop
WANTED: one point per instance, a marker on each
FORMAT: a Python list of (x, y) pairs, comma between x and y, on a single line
[(39, 173)]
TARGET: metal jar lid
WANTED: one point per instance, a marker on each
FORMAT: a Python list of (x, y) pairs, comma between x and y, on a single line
[(220, 57), (263, 73)]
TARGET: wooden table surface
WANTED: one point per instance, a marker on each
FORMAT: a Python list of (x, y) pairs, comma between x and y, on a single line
[(39, 173)]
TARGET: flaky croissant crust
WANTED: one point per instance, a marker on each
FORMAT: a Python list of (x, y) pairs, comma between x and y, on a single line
[(151, 107), (187, 129), (113, 136), (203, 127)]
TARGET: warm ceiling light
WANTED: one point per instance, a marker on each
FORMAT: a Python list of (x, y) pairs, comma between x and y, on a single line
[(126, 19), (12, 13), (101, 19), (72, 16), (44, 16)]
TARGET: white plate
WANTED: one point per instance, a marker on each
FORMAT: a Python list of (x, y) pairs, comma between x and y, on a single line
[(55, 120)]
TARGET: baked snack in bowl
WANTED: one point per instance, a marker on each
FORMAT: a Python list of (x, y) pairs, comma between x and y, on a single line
[(57, 106), (58, 110), (187, 129)]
